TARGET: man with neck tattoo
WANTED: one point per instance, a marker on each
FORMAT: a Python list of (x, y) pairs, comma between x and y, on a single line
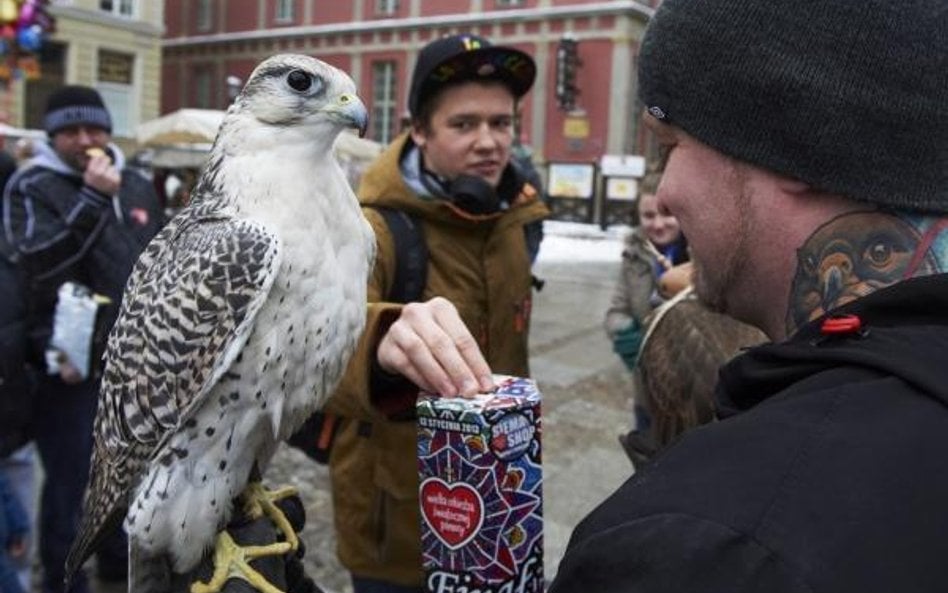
[(807, 163)]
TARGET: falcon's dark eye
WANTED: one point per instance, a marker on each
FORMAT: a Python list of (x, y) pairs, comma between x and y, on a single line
[(299, 80)]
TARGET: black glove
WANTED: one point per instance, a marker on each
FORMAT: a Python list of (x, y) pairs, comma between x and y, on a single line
[(285, 572)]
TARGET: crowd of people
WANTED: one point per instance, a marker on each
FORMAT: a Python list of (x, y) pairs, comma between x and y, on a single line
[(804, 193), (73, 215)]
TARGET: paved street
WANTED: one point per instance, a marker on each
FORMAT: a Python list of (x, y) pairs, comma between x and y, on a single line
[(585, 389)]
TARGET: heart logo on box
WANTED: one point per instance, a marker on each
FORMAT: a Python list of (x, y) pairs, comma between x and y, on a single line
[(454, 512)]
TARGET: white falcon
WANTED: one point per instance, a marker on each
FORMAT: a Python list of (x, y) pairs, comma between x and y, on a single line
[(236, 323)]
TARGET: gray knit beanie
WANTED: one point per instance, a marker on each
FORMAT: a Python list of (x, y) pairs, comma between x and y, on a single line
[(850, 96), (74, 105)]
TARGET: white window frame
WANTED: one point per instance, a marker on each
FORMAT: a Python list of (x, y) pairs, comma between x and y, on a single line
[(386, 7), (508, 3), (125, 118), (205, 15), (122, 100), (203, 88), (284, 11), (128, 9), (384, 93)]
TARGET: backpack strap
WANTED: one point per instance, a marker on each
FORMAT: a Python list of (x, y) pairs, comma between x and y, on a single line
[(411, 256)]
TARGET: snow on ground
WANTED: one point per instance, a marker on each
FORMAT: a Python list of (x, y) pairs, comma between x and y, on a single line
[(574, 241)]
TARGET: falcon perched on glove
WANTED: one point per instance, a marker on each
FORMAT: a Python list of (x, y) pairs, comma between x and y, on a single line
[(236, 325)]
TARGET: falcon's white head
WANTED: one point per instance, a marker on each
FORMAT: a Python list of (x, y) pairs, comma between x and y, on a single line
[(281, 126), (291, 97), (291, 89)]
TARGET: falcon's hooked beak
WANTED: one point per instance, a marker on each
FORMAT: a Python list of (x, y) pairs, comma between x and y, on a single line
[(351, 111)]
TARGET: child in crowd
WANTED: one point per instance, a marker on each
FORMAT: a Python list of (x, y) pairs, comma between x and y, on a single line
[(14, 525), (653, 248)]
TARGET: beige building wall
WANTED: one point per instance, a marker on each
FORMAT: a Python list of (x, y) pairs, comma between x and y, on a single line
[(85, 31)]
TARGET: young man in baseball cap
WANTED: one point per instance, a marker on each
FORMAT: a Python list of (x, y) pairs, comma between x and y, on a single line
[(451, 174)]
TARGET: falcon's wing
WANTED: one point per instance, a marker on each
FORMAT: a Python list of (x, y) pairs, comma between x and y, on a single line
[(186, 314), (683, 349)]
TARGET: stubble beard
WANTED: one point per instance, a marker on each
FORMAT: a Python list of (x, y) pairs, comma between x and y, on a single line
[(710, 287), (715, 285), (75, 162)]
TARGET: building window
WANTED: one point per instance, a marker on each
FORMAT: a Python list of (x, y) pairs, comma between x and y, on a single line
[(284, 11), (202, 88), (386, 7), (508, 3), (204, 15), (124, 8), (383, 101), (116, 84)]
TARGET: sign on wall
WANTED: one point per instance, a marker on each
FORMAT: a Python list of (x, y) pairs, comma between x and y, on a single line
[(622, 165), (571, 180), (621, 188)]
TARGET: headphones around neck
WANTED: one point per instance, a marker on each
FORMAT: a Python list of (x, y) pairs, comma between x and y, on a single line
[(473, 194)]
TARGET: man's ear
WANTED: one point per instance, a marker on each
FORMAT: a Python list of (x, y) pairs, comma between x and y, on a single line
[(792, 186), (418, 136)]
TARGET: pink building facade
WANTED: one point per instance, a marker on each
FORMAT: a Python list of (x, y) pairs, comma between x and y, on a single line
[(376, 41)]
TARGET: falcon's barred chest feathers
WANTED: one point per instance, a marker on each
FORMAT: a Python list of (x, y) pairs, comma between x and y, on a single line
[(238, 319)]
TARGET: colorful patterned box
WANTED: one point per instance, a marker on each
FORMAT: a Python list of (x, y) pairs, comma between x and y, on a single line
[(481, 490)]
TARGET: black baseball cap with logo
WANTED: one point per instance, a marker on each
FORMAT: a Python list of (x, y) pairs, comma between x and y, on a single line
[(460, 58)]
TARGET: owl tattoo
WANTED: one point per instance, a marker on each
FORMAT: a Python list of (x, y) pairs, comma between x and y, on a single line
[(851, 256)]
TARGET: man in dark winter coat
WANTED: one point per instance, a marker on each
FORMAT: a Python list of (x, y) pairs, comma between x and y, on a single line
[(808, 167), (15, 394), (73, 214)]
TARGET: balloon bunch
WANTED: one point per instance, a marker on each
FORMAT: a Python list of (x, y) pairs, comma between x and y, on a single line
[(24, 25)]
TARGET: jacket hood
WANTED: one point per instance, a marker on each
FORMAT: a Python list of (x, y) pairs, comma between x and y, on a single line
[(904, 334), (634, 244), (635, 238), (384, 185)]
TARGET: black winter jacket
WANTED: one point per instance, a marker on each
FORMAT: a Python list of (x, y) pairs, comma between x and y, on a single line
[(829, 476), (16, 402), (63, 230)]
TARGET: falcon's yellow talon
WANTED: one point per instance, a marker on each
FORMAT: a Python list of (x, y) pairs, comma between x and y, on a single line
[(258, 501), (232, 560), (281, 493)]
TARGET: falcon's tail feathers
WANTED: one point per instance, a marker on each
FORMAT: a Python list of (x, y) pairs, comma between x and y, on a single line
[(88, 539), (103, 511), (148, 573)]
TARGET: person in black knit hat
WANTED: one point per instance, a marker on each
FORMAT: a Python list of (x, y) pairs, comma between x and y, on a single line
[(73, 214), (808, 166), (76, 105)]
